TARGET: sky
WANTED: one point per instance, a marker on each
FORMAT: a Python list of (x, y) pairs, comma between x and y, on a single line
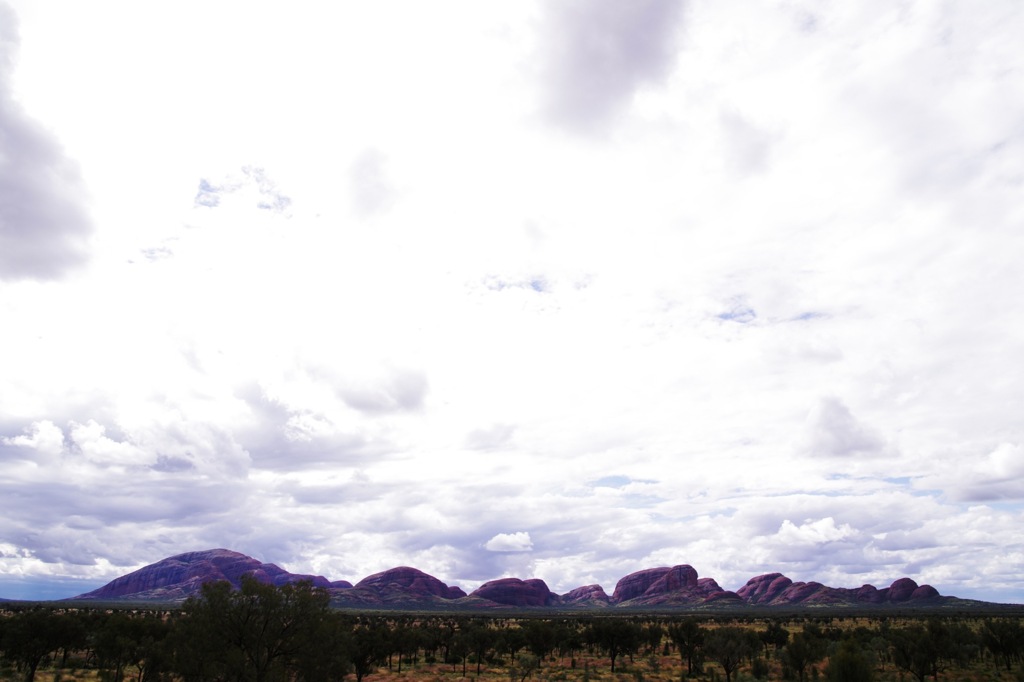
[(557, 289)]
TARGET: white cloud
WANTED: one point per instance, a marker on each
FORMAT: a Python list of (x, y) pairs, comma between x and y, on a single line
[(509, 542), (45, 225), (595, 55), (771, 290), (833, 431), (995, 475), (45, 437), (812, 532), (90, 440)]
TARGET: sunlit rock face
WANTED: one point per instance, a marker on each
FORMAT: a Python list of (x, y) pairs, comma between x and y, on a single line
[(181, 576), (516, 592)]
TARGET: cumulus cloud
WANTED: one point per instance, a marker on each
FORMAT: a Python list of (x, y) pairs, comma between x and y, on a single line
[(813, 532), (279, 436), (993, 476), (73, 488), (597, 54), (509, 542), (831, 430), (91, 442), (45, 224), (779, 215), (44, 437), (397, 391)]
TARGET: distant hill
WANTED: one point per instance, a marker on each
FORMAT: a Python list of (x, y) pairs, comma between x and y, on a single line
[(176, 578), (179, 577)]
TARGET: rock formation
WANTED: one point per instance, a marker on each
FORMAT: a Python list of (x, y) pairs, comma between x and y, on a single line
[(764, 588), (516, 592), (409, 581), (394, 588), (179, 577), (592, 595), (675, 586), (775, 589)]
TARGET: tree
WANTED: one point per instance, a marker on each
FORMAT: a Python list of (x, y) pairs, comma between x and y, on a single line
[(121, 640), (804, 649), (29, 636), (688, 637), (404, 641), (850, 663), (914, 651), (369, 642), (511, 640), (69, 632), (774, 635), (568, 638), (652, 634), (540, 636), (964, 644), (525, 665), (255, 634), (1004, 638), (614, 636), (479, 639), (728, 646)]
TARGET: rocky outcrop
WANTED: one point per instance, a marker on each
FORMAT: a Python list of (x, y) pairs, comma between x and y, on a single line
[(724, 597), (906, 590), (636, 584), (869, 594), (516, 592), (675, 586), (764, 589), (675, 579), (410, 582), (592, 595), (775, 589), (179, 577), (801, 592)]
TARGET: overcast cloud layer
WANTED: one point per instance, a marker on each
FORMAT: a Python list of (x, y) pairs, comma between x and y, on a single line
[(553, 289)]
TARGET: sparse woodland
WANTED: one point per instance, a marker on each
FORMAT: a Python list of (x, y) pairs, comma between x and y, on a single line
[(263, 633)]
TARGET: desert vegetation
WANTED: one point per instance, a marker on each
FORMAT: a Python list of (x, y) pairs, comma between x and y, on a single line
[(263, 633)]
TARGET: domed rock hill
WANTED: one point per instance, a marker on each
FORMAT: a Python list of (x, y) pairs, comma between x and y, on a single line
[(178, 577), (182, 575)]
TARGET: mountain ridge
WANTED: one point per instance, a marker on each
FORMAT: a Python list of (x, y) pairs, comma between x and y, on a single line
[(178, 577)]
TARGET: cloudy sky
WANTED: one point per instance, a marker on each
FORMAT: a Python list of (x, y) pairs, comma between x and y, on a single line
[(559, 288)]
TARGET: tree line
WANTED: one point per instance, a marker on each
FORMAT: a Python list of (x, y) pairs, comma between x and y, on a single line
[(263, 633)]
